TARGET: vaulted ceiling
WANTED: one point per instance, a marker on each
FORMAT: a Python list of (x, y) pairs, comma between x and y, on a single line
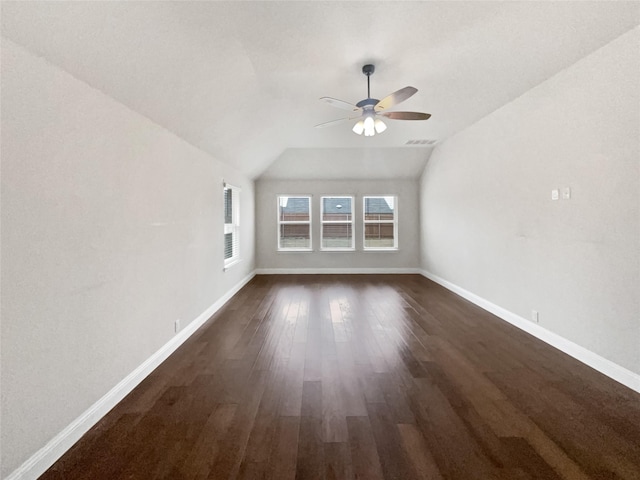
[(241, 80)]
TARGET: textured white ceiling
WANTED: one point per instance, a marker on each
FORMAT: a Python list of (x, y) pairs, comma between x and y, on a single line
[(349, 163), (241, 80)]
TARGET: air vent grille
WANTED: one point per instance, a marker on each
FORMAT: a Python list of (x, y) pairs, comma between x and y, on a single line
[(421, 142)]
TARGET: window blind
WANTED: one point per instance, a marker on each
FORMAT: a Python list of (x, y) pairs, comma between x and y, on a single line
[(231, 224)]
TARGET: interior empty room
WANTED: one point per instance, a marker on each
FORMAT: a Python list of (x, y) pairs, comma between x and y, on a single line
[(320, 240)]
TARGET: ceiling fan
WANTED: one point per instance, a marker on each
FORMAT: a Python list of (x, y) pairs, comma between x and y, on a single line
[(370, 109)]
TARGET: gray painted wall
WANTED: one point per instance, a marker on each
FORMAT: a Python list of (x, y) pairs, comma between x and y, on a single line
[(267, 256), (111, 230), (489, 224)]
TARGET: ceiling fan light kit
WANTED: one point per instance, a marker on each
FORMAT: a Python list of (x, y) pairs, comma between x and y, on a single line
[(371, 108)]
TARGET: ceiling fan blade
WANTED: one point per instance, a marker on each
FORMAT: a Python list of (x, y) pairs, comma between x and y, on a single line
[(406, 115), (340, 104), (332, 123), (395, 98)]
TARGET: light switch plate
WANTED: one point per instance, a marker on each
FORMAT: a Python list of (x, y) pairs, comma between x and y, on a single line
[(566, 193)]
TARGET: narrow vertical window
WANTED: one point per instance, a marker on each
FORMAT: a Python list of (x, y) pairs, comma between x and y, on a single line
[(337, 223), (294, 223), (231, 224), (380, 222)]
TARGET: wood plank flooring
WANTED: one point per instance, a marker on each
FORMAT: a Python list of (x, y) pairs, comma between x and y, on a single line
[(363, 377)]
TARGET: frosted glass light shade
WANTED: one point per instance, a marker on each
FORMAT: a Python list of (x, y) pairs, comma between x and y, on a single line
[(380, 126), (358, 128), (369, 127)]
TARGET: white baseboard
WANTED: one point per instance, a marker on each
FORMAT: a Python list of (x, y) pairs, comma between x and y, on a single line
[(607, 367), (316, 271), (63, 441)]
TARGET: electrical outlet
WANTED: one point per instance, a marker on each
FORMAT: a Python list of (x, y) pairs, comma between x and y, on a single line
[(176, 326), (534, 316), (555, 194)]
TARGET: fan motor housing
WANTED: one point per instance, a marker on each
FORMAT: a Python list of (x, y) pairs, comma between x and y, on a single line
[(367, 102)]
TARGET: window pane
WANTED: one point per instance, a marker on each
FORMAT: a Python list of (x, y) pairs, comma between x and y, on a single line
[(295, 236), (337, 235), (294, 209), (336, 208), (378, 235), (380, 222), (228, 245), (379, 208), (228, 205), (231, 224)]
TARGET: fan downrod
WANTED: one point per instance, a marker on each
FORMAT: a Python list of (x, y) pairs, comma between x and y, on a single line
[(368, 71)]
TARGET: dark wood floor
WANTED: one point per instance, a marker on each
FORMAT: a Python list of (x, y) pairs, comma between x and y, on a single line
[(368, 377)]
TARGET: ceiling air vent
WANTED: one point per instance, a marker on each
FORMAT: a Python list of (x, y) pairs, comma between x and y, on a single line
[(421, 142)]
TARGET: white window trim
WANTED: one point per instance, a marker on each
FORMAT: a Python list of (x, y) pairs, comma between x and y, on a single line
[(394, 221), (233, 227), (292, 222), (322, 223)]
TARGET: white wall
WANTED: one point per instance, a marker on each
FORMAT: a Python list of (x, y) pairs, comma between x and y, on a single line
[(267, 256), (489, 225), (111, 230)]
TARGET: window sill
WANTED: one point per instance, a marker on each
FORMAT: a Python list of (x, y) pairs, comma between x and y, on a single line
[(289, 250), (227, 266)]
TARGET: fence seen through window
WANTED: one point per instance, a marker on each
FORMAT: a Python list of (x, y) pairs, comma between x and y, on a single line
[(337, 223), (294, 223), (380, 223)]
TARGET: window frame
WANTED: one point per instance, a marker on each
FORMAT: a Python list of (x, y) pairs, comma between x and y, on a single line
[(294, 222), (234, 226), (346, 222), (366, 222)]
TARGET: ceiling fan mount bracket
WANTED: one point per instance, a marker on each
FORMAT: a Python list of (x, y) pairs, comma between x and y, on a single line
[(368, 69)]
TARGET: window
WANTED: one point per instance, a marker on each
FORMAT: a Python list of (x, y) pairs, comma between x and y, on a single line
[(294, 223), (231, 224), (337, 223), (380, 223)]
